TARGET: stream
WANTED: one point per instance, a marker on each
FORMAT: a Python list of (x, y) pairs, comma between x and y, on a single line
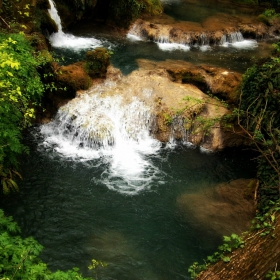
[(93, 189)]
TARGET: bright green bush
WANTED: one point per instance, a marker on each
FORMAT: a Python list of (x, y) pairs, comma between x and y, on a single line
[(19, 257), (20, 92)]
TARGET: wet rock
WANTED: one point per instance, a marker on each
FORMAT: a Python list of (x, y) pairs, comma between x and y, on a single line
[(97, 62), (73, 77), (217, 81), (227, 208), (178, 111), (210, 31)]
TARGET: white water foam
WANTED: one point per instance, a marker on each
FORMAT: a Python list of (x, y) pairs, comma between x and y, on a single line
[(133, 37), (65, 40), (173, 46), (237, 41), (106, 128)]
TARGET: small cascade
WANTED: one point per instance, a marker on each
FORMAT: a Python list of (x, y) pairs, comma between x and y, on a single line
[(112, 129), (178, 130), (169, 38), (164, 43), (65, 40), (236, 39)]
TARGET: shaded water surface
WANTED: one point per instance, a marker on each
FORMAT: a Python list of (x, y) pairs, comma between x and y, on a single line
[(67, 206)]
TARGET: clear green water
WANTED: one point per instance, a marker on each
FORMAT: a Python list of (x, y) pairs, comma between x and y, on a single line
[(66, 206)]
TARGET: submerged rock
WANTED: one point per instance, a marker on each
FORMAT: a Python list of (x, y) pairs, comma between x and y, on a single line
[(225, 209)]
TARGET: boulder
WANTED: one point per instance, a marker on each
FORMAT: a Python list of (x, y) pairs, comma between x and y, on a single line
[(97, 62)]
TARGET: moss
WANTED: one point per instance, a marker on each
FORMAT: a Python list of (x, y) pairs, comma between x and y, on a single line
[(73, 77), (97, 62), (264, 19), (45, 22), (123, 12)]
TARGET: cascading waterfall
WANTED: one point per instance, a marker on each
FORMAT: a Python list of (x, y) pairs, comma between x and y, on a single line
[(108, 129), (164, 44), (237, 40), (66, 40), (167, 42)]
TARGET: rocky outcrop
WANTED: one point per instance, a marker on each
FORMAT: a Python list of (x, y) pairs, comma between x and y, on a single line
[(204, 127), (97, 62), (183, 33), (214, 30), (217, 81), (180, 111), (68, 80)]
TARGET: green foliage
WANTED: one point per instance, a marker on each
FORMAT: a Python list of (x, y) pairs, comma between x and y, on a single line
[(7, 179), (270, 13), (125, 11), (264, 221), (19, 258), (20, 91), (259, 118), (167, 119), (273, 275), (230, 243), (268, 16), (95, 266)]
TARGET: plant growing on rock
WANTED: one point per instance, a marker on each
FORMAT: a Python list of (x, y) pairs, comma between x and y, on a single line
[(97, 62), (230, 243)]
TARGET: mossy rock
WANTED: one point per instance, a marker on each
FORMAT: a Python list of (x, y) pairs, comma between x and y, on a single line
[(73, 77), (97, 62), (46, 22), (123, 12)]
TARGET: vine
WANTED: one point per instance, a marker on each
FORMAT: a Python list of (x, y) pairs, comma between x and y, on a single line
[(230, 243)]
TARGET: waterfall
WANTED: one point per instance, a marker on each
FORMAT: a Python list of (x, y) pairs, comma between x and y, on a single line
[(66, 40), (113, 130), (165, 44), (54, 15), (236, 40), (169, 39)]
